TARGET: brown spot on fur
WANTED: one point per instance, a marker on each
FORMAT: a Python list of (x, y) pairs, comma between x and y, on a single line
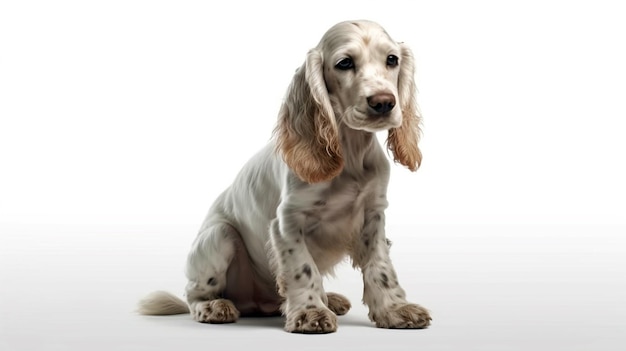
[(384, 280), (306, 269)]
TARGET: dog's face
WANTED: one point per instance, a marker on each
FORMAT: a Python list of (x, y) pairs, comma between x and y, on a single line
[(361, 71), (356, 78)]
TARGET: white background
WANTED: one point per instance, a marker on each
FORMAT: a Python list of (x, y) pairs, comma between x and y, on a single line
[(121, 121)]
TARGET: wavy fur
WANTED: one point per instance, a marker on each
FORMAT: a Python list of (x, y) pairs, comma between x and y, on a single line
[(314, 195)]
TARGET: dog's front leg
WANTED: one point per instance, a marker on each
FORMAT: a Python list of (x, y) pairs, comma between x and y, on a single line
[(299, 280), (382, 293)]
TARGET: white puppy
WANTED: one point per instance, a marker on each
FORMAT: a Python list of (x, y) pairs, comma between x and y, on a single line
[(313, 196)]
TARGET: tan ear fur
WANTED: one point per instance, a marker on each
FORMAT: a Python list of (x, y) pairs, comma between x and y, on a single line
[(402, 141), (307, 133)]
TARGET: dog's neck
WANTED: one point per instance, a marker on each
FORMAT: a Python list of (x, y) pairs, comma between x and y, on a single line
[(357, 148)]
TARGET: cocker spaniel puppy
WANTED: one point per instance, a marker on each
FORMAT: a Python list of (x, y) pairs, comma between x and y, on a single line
[(314, 195)]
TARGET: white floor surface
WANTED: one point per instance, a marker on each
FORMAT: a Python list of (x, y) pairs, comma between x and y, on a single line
[(539, 287)]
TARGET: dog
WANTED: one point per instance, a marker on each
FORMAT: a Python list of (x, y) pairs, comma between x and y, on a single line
[(314, 195)]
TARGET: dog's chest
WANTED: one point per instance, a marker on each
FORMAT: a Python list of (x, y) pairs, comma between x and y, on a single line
[(334, 219), (337, 212)]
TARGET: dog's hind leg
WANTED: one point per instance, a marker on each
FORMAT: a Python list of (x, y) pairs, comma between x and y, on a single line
[(207, 264)]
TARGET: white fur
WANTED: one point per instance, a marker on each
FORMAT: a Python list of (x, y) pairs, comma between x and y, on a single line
[(285, 222)]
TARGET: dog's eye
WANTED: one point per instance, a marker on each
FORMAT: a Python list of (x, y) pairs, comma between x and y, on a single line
[(392, 60), (345, 64)]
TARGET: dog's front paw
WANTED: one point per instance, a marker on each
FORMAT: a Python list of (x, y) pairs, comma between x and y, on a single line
[(338, 303), (216, 311), (311, 321), (404, 316)]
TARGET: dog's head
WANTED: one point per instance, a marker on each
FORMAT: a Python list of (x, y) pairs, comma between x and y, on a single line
[(359, 77)]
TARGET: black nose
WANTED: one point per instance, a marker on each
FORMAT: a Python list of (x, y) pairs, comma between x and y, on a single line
[(381, 103)]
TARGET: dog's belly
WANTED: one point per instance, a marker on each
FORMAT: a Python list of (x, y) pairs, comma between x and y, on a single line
[(253, 293)]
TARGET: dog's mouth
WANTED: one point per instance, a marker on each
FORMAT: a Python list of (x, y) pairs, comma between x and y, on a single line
[(378, 116), (371, 122)]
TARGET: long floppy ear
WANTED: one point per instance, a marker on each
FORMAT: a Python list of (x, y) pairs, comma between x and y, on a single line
[(306, 133), (402, 141)]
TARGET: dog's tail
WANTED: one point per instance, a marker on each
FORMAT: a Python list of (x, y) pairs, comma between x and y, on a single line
[(161, 303)]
